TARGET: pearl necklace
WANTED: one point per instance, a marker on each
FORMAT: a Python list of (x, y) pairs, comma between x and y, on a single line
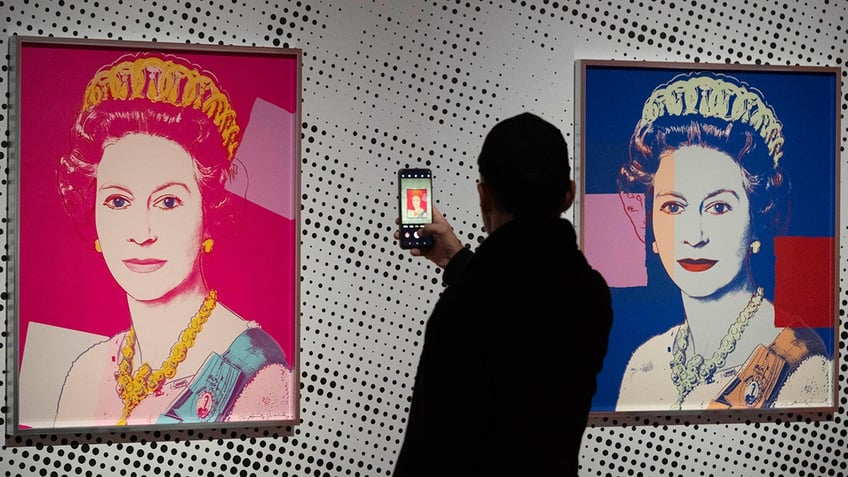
[(686, 374), (134, 388)]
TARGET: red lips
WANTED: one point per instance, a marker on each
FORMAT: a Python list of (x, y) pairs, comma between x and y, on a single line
[(696, 265)]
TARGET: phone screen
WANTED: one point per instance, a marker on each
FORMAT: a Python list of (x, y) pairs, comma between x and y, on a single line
[(415, 205)]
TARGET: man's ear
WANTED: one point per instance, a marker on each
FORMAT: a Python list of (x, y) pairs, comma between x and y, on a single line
[(569, 197), (486, 201), (487, 206)]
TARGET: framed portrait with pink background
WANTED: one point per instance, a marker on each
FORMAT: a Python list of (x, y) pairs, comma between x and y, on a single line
[(154, 235)]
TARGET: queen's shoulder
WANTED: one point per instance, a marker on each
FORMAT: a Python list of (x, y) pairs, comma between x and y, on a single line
[(658, 342), (816, 366), (105, 349)]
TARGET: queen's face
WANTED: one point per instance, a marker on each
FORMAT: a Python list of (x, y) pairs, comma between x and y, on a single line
[(416, 201), (149, 215), (701, 220)]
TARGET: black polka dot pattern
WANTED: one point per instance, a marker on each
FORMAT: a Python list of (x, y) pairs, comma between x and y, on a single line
[(418, 83)]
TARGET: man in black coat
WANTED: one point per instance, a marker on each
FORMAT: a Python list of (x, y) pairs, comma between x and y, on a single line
[(513, 346)]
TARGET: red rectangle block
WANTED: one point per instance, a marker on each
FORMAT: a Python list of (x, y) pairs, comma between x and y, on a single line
[(805, 282)]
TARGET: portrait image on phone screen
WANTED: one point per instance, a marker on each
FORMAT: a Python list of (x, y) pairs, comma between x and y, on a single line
[(415, 199)]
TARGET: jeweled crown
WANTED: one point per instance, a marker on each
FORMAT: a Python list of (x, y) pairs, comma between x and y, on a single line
[(717, 96), (170, 81)]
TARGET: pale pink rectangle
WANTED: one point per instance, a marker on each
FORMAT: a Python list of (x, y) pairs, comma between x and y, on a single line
[(611, 243)]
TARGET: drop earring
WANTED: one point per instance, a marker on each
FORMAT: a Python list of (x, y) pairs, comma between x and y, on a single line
[(654, 247), (755, 247), (97, 246), (207, 245)]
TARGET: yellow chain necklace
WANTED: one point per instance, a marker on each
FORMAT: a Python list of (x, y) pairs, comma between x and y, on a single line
[(686, 374), (134, 388)]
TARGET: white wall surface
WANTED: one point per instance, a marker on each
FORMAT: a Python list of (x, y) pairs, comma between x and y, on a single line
[(418, 82)]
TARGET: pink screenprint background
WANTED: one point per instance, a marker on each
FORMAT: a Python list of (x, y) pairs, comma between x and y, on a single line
[(64, 282)]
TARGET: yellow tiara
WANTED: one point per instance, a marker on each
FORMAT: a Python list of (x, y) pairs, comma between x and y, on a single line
[(163, 80), (713, 97)]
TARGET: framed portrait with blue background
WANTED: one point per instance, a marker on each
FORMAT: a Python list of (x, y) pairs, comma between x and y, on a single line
[(709, 200)]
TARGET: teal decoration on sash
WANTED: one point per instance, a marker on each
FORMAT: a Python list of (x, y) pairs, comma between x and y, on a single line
[(214, 390)]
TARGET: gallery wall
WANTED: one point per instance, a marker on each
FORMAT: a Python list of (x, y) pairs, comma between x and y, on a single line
[(388, 84)]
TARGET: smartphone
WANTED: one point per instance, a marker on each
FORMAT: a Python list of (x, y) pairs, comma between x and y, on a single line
[(415, 206)]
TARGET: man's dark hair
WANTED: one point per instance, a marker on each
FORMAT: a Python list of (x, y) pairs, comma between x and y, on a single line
[(524, 161)]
